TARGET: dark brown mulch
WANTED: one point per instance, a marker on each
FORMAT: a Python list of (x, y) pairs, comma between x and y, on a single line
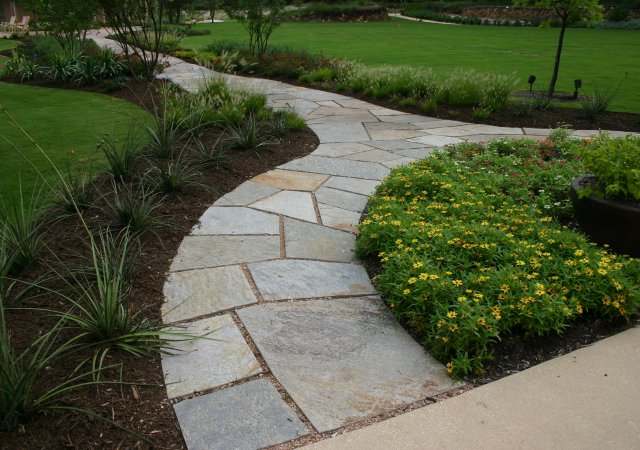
[(142, 408)]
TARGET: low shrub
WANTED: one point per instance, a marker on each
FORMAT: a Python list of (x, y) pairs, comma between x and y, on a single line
[(596, 104), (342, 12), (134, 208), (121, 155), (615, 162), (473, 248)]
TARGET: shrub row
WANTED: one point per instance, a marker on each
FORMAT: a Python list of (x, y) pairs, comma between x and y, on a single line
[(473, 248), (422, 87), (43, 58)]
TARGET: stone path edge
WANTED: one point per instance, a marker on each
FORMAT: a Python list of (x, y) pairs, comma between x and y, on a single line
[(279, 250)]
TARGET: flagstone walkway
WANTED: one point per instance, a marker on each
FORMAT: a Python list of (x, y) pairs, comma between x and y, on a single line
[(300, 342)]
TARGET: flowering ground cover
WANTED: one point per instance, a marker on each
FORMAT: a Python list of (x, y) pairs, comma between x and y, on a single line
[(476, 243)]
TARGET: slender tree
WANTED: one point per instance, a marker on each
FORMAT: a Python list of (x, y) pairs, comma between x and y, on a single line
[(259, 17), (568, 12)]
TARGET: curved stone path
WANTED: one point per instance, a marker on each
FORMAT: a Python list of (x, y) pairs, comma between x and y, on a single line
[(298, 342)]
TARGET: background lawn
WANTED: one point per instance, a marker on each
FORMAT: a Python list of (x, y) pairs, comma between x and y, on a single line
[(6, 44), (66, 123), (600, 58)]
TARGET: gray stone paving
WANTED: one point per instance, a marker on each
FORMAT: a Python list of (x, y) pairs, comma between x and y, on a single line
[(273, 262), (343, 360), (243, 417)]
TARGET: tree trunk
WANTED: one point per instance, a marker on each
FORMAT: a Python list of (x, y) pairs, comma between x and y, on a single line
[(556, 66)]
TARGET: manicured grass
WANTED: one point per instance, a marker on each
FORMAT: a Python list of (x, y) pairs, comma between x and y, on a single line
[(66, 123), (600, 58), (6, 44)]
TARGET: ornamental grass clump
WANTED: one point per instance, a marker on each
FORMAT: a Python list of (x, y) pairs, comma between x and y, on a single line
[(473, 248)]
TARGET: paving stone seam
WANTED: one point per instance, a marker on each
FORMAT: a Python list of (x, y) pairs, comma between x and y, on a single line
[(297, 258), (283, 239), (349, 122), (286, 397)]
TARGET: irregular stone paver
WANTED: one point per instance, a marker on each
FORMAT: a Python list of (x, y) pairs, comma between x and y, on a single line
[(339, 218), (340, 149), (248, 192), (352, 359), (311, 241), (340, 131), (194, 293), (437, 141), (219, 356), (289, 203), (416, 153), (197, 252), (356, 185), (341, 360), (398, 162), (334, 166), (394, 145), (236, 220), (341, 199), (291, 279), (244, 417), (372, 156), (288, 179)]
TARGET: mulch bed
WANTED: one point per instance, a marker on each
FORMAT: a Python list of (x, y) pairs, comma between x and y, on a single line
[(142, 411)]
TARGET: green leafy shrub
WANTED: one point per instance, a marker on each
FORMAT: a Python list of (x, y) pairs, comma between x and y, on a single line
[(473, 248), (615, 162)]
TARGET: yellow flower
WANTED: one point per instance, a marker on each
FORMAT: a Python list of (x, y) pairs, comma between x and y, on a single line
[(457, 282), (423, 276), (449, 367), (406, 291), (412, 280), (417, 265), (452, 314)]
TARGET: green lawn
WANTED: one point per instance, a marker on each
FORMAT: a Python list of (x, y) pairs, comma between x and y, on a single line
[(599, 57), (6, 44), (66, 123)]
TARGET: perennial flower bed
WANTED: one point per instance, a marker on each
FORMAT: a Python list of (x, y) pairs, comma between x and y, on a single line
[(475, 244)]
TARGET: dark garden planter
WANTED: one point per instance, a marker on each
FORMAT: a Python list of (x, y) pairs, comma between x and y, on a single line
[(612, 222)]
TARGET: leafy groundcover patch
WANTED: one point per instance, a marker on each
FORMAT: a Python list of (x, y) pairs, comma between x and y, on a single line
[(476, 243)]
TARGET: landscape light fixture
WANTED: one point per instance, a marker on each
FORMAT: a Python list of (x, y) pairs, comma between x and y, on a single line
[(531, 80), (577, 84)]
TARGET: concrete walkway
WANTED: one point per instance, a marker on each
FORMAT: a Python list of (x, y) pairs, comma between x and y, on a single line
[(586, 400), (300, 343), (416, 19)]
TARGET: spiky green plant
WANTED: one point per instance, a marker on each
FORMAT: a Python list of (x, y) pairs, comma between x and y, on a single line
[(121, 155), (134, 208), (22, 221)]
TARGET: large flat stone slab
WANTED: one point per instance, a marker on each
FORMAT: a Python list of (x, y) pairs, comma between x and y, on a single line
[(337, 150), (356, 185), (198, 252), (340, 131), (312, 241), (339, 218), (555, 405), (374, 155), (236, 220), (352, 359), (289, 203), (220, 356), (291, 279), (291, 180), (248, 416), (247, 192), (341, 199), (437, 141), (336, 166), (194, 293)]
